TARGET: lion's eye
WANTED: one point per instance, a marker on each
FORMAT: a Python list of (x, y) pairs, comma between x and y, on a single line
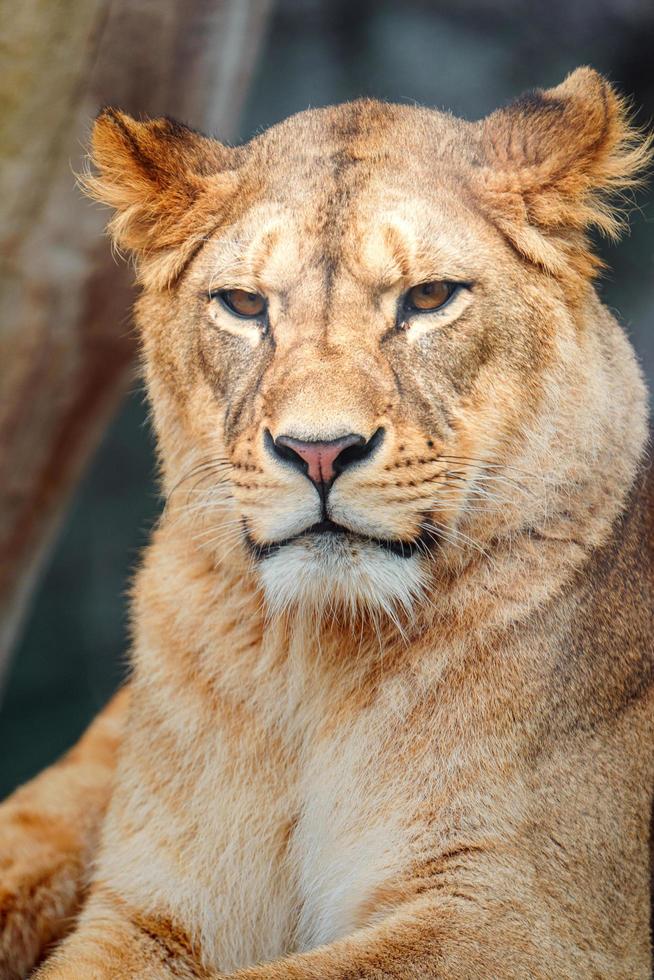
[(241, 302), (429, 296)]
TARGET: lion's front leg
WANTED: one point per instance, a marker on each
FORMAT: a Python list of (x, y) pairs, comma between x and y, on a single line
[(494, 924), (114, 940), (48, 834), (454, 938), (437, 936), (448, 936)]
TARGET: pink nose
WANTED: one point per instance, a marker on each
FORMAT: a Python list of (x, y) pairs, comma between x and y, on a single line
[(319, 460)]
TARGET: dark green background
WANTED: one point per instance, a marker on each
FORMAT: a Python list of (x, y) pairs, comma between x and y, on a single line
[(470, 60)]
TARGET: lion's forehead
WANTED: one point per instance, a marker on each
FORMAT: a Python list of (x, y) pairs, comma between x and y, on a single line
[(369, 183), (378, 236)]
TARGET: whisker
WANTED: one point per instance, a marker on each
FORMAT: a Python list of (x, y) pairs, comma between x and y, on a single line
[(497, 478), (209, 466), (457, 538), (478, 461), (231, 535), (209, 504), (215, 533)]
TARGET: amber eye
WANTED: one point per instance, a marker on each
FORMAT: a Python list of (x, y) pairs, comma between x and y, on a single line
[(429, 296), (241, 302)]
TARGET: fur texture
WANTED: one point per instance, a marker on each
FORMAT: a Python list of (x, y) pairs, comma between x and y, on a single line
[(421, 747)]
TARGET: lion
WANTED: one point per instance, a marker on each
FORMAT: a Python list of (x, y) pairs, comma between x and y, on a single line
[(391, 705)]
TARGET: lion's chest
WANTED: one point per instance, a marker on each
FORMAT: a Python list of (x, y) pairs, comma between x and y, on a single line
[(272, 831), (296, 868), (346, 843)]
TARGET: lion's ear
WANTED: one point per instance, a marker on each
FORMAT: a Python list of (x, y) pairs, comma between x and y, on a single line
[(166, 184), (554, 164)]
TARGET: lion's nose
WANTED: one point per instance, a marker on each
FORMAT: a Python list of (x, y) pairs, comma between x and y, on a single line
[(323, 461)]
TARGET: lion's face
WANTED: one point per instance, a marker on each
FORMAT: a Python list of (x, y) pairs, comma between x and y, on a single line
[(364, 379), (352, 357)]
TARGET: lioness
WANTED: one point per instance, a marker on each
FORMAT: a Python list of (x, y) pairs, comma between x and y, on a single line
[(391, 707)]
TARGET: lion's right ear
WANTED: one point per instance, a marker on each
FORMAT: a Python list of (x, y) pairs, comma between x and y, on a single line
[(557, 163), (166, 183)]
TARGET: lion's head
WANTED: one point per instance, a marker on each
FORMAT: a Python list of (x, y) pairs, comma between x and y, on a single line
[(371, 337)]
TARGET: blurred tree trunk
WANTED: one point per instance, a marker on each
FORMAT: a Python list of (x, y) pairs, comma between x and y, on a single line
[(66, 349)]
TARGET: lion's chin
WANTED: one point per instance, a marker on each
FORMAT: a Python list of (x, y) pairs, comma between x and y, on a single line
[(338, 574)]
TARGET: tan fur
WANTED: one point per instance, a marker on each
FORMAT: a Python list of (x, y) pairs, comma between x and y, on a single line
[(48, 836), (340, 761)]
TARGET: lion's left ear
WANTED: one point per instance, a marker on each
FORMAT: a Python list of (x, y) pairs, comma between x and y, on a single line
[(168, 187), (553, 163)]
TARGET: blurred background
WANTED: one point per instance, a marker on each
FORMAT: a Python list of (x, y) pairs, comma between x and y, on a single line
[(69, 637)]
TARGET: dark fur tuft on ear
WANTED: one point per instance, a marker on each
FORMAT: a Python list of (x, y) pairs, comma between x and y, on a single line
[(156, 175), (558, 163)]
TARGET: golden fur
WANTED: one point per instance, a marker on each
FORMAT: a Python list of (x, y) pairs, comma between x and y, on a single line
[(422, 749)]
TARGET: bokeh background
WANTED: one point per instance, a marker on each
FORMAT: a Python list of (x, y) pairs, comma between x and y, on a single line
[(469, 56)]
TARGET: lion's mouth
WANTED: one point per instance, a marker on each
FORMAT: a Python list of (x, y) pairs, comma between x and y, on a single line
[(396, 546)]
